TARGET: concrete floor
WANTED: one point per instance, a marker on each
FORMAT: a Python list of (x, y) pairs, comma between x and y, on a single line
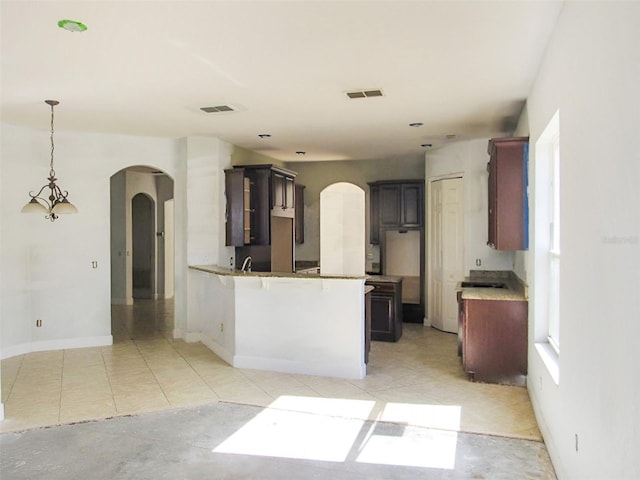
[(152, 407), (231, 441)]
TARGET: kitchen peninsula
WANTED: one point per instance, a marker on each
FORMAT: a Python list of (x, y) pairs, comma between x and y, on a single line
[(287, 322)]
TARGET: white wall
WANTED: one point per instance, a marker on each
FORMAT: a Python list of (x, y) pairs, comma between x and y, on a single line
[(47, 269), (469, 159), (118, 239), (590, 73)]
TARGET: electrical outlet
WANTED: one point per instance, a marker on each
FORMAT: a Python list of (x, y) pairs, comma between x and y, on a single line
[(222, 327), (478, 262), (38, 323)]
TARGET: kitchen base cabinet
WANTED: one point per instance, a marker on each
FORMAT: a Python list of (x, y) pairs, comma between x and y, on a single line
[(493, 340), (386, 309)]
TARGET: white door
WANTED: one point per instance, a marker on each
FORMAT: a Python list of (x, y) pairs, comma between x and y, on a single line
[(435, 249), (447, 242)]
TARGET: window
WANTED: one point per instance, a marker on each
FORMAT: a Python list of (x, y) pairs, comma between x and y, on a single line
[(546, 224), (553, 333)]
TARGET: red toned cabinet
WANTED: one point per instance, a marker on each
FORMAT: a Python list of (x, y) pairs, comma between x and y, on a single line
[(508, 204), (493, 340)]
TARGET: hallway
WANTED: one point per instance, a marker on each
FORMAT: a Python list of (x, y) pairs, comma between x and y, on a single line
[(416, 383)]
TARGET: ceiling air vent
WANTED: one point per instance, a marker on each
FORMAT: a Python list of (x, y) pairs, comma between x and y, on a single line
[(365, 93), (219, 108)]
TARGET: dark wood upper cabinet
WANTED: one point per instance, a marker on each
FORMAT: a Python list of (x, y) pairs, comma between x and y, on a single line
[(254, 193), (412, 209), (235, 211), (389, 206), (283, 197), (374, 214), (508, 203), (299, 212), (396, 204)]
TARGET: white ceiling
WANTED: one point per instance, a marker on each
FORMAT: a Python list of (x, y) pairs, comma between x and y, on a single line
[(146, 67)]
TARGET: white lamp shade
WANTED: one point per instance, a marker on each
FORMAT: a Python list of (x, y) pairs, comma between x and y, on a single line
[(64, 207), (35, 207)]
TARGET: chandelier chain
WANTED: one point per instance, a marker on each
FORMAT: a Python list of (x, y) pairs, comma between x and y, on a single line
[(52, 171)]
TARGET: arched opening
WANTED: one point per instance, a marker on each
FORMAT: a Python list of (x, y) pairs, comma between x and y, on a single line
[(142, 253)]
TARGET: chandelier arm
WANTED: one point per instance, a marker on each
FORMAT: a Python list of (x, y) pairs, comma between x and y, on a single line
[(37, 196), (59, 194)]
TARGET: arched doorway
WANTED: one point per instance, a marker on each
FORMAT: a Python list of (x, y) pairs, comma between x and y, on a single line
[(143, 251)]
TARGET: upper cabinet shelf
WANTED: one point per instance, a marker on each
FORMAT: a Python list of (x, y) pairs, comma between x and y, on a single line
[(508, 203)]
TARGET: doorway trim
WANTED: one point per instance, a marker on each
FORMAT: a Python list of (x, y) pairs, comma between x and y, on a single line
[(126, 183), (430, 251)]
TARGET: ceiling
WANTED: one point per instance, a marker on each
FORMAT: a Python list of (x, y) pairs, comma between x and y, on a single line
[(461, 69)]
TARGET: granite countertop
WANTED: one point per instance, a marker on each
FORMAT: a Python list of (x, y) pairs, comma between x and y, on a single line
[(229, 272), (383, 279), (515, 289)]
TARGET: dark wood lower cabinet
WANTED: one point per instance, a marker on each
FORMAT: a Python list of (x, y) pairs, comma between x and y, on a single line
[(386, 309), (493, 340)]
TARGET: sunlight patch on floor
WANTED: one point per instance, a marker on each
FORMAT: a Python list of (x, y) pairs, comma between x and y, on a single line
[(330, 429), (301, 428)]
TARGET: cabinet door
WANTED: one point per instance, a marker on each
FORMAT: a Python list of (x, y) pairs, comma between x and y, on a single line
[(382, 316), (412, 205), (389, 206), (234, 215), (491, 168), (299, 212), (260, 220), (374, 215), (494, 348), (289, 195), (278, 190), (507, 194)]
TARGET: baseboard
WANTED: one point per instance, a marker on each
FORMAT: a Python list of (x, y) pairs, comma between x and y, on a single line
[(177, 333), (212, 345), (58, 344), (304, 368)]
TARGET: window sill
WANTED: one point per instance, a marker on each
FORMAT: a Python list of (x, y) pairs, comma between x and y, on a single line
[(550, 359)]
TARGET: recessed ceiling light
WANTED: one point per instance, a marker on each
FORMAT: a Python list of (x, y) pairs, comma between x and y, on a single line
[(451, 136), (427, 145), (416, 124), (72, 26), (300, 152), (264, 135)]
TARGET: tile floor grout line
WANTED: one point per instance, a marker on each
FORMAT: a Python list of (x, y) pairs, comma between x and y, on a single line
[(61, 386), (196, 371), (106, 372), (15, 379), (255, 384), (151, 370)]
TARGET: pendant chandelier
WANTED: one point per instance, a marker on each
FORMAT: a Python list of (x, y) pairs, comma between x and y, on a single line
[(57, 203)]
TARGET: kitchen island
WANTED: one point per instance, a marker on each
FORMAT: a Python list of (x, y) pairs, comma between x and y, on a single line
[(303, 323)]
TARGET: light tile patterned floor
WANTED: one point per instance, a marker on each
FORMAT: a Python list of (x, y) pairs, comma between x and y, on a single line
[(145, 370)]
